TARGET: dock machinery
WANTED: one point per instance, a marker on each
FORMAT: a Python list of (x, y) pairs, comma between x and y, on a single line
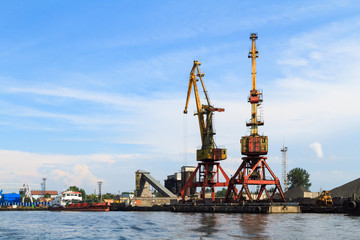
[(252, 170), (207, 172)]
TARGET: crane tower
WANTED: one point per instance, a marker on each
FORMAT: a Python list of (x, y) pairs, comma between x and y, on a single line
[(254, 168), (207, 173)]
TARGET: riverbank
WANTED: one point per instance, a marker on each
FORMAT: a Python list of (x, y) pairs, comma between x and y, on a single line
[(24, 209)]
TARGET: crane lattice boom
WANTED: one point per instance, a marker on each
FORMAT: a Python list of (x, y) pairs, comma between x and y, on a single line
[(204, 112)]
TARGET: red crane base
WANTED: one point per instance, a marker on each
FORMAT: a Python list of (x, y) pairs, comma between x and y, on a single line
[(252, 172), (208, 176)]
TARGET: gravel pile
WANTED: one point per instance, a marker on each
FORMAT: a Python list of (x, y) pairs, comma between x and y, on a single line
[(347, 190), (295, 192)]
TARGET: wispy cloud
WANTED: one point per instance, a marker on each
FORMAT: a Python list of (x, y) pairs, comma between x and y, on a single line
[(314, 97), (81, 95), (83, 120)]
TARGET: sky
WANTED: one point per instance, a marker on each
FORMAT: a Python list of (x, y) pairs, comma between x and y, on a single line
[(95, 90)]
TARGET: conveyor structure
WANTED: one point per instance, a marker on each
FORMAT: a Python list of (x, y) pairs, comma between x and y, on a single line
[(144, 180)]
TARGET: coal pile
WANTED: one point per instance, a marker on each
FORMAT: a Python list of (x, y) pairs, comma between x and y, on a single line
[(347, 190), (295, 193)]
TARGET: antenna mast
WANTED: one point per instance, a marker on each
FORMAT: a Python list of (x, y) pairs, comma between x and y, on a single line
[(284, 167), (100, 184), (43, 187)]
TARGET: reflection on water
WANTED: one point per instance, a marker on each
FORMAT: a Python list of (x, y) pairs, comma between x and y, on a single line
[(253, 225), (207, 224), (168, 225), (217, 225)]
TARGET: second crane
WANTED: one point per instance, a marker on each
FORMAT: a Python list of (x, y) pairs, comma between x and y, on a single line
[(209, 155)]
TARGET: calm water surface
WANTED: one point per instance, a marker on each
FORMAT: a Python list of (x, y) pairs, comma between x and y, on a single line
[(168, 225)]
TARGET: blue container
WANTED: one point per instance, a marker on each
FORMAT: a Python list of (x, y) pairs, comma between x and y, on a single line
[(10, 198)]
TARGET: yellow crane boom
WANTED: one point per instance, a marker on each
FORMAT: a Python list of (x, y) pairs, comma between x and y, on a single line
[(206, 126), (192, 82)]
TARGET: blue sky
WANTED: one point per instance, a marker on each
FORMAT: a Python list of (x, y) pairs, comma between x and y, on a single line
[(95, 90)]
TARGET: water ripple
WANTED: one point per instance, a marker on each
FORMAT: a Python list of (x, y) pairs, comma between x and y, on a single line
[(168, 225)]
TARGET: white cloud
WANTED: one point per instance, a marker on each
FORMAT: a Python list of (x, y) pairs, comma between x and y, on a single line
[(317, 149), (313, 98), (79, 176), (60, 169)]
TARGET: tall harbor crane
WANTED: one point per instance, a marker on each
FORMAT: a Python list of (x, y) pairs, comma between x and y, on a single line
[(209, 155), (253, 169), (208, 151)]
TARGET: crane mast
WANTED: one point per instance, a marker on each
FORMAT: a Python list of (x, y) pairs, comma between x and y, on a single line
[(254, 169), (254, 144), (255, 96)]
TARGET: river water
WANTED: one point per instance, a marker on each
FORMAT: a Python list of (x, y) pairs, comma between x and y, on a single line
[(169, 225)]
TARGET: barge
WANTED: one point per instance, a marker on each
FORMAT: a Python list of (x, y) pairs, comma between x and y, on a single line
[(72, 201), (89, 207)]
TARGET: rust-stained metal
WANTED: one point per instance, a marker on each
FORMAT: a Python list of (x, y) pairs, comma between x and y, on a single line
[(207, 173), (253, 170)]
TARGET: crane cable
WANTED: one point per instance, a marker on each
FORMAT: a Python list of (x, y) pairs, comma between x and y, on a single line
[(185, 138)]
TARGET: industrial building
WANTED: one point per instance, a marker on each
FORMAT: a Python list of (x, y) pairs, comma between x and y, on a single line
[(173, 184), (39, 194), (143, 180)]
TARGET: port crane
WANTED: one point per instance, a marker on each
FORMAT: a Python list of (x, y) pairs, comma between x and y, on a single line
[(205, 124), (209, 154), (254, 167)]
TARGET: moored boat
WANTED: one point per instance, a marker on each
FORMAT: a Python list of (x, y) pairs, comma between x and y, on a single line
[(84, 206), (72, 201)]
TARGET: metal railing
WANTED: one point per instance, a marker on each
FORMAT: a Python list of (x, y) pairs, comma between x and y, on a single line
[(25, 204)]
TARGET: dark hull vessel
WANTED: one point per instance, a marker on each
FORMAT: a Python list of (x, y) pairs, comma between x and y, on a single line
[(87, 207)]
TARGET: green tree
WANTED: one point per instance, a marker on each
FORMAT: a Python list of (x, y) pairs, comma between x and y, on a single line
[(92, 197), (73, 188), (221, 193), (207, 190), (108, 196), (299, 177), (47, 195)]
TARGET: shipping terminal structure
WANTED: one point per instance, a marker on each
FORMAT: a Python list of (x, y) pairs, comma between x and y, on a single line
[(208, 174), (253, 170)]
